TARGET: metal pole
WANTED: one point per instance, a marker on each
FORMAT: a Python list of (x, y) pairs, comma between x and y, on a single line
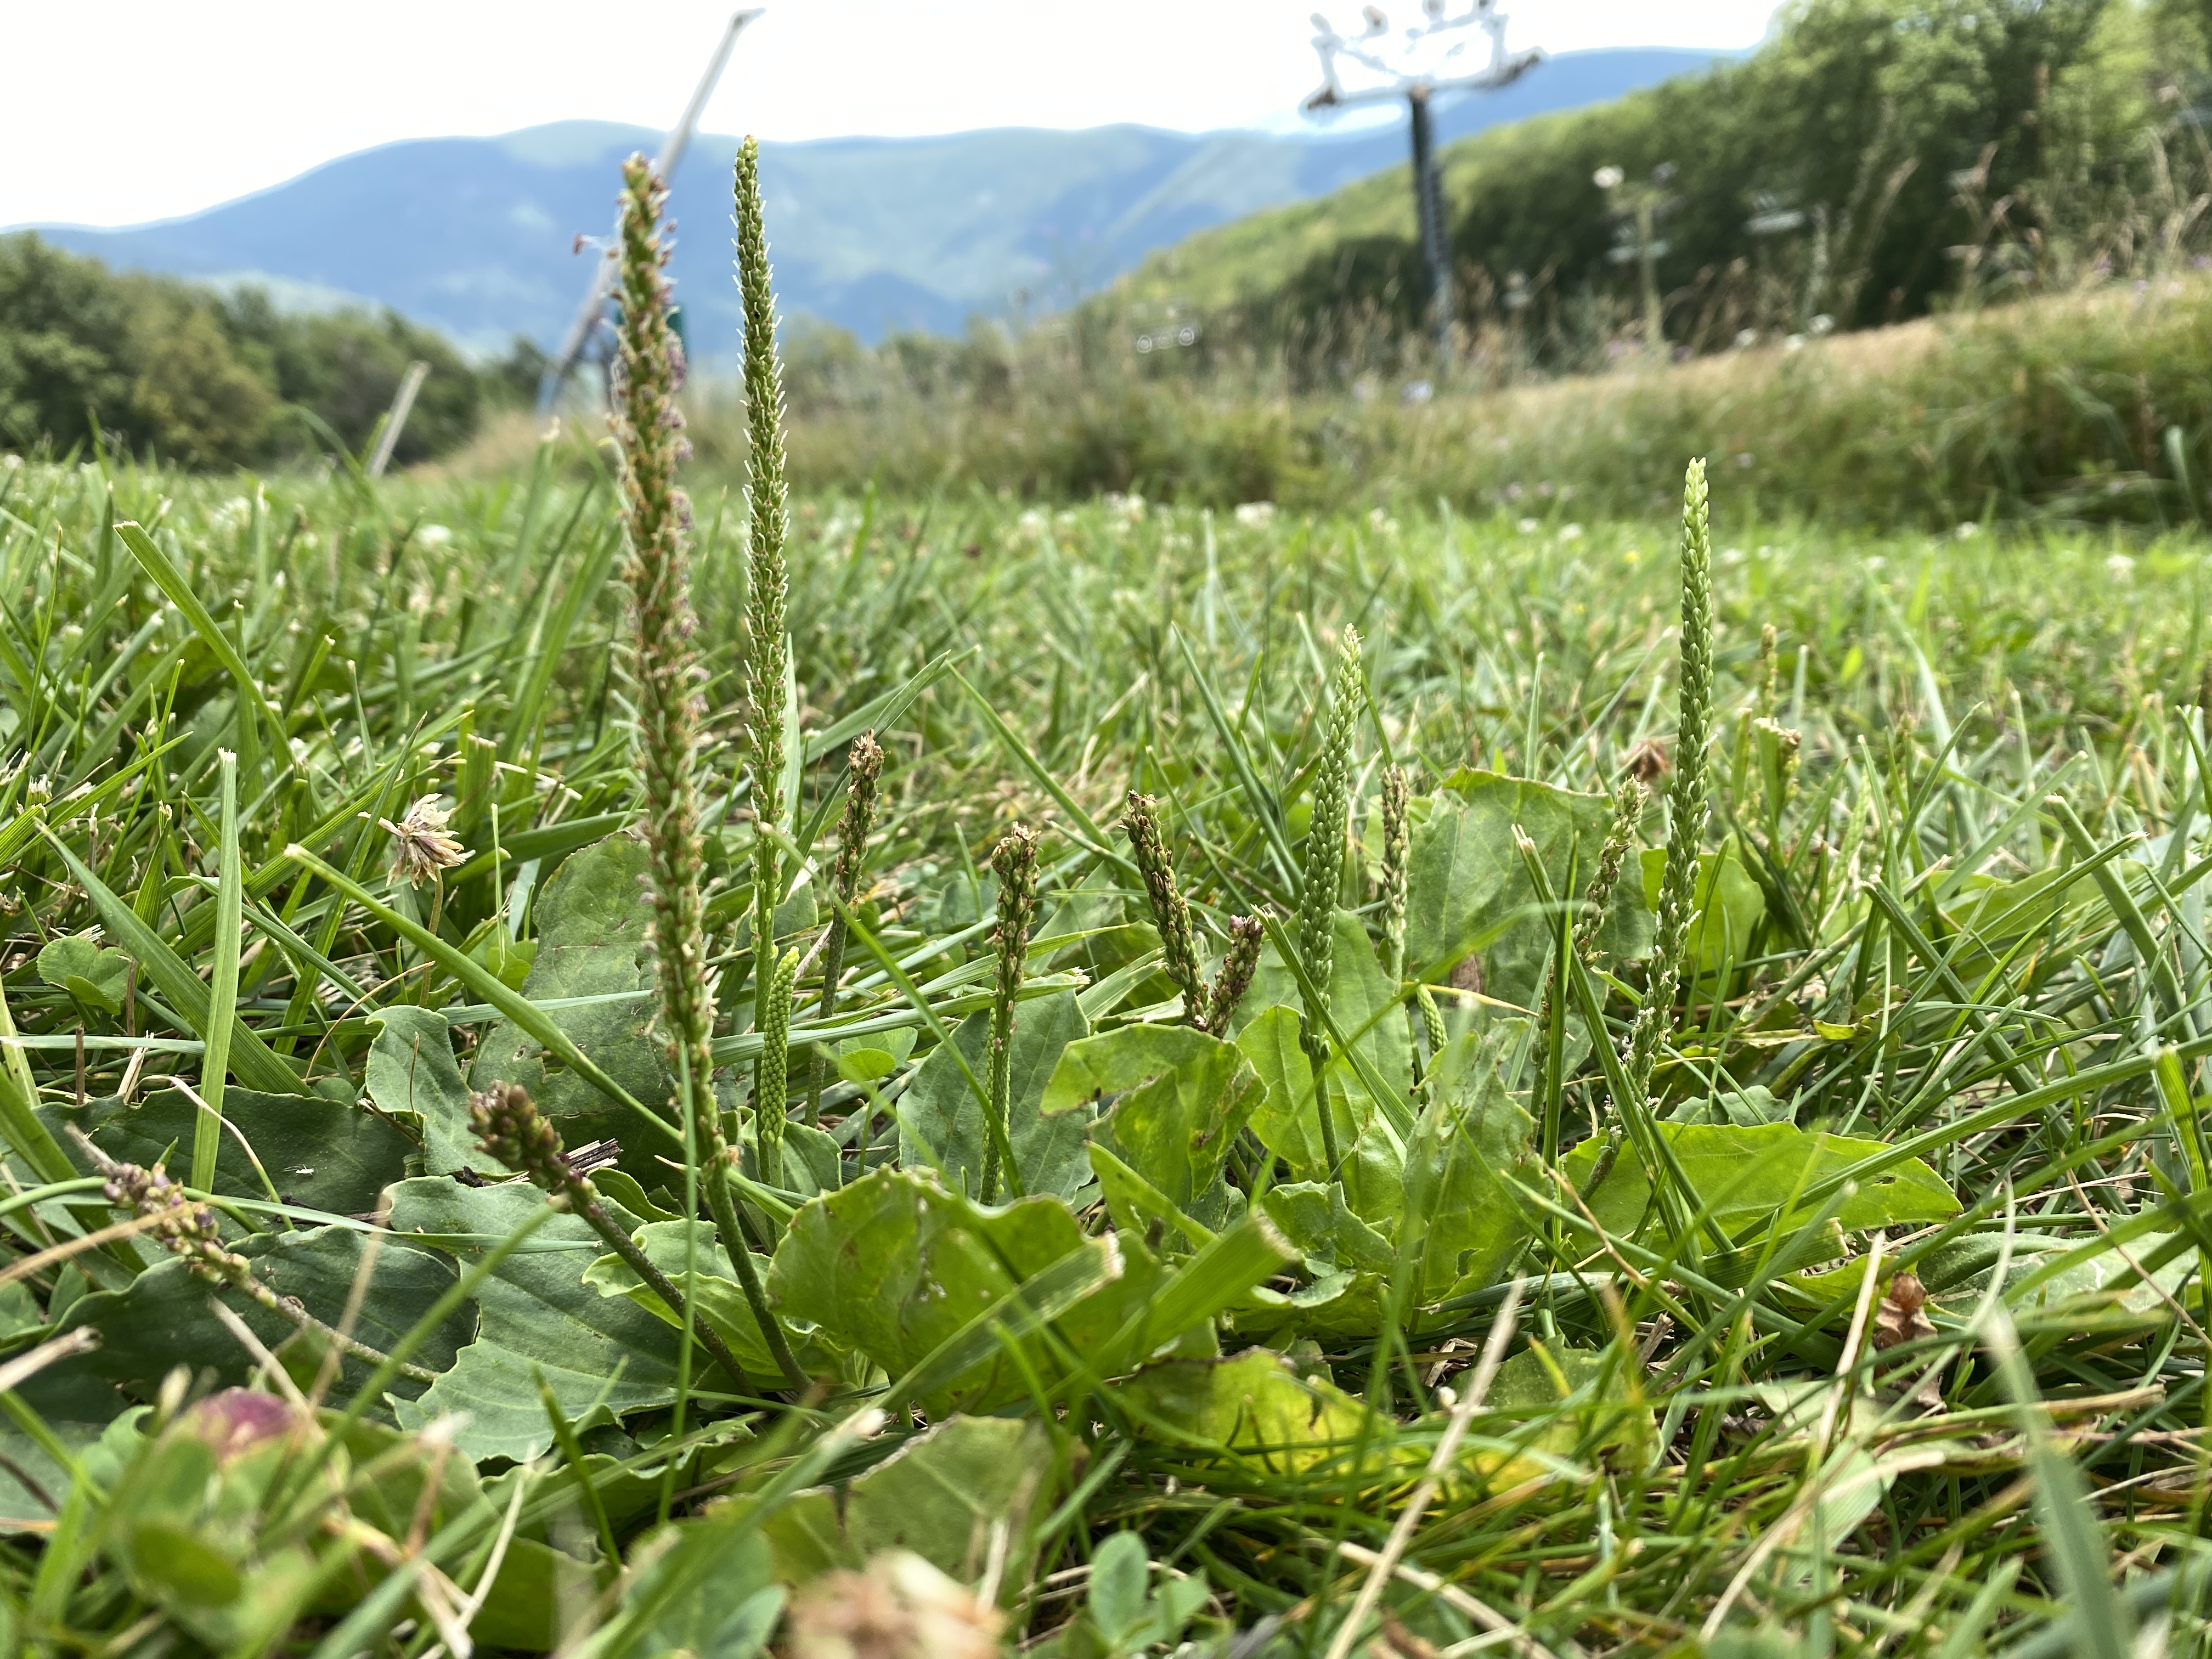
[(402, 405), (1429, 211), (678, 140)]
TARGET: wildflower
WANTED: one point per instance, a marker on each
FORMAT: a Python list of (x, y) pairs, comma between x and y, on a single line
[(2119, 567), (1747, 338), (1607, 178), (1968, 531), (1571, 532), (422, 845), (1528, 526), (231, 1422), (432, 537)]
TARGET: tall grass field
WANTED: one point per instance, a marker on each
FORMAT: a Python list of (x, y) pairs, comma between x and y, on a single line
[(886, 1074)]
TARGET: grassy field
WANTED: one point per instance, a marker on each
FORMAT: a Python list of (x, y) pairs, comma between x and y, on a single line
[(1872, 1322), (2091, 409)]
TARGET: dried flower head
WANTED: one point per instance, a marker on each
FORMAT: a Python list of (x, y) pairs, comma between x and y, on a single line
[(1903, 1315), (422, 845), (901, 1607)]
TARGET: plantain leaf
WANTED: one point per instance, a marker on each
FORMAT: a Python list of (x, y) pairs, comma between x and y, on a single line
[(592, 942), (1749, 1173), (941, 1495), (1468, 892), (411, 1073), (939, 1111), (601, 1356)]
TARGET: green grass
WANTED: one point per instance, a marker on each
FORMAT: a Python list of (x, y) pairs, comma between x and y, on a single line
[(1969, 942), (2090, 410)]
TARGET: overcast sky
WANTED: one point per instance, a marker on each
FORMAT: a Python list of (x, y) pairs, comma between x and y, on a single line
[(120, 111)]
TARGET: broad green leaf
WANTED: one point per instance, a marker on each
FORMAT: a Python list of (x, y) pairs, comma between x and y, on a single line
[(95, 976), (1147, 1314), (412, 1074), (1581, 1400), (1747, 1174), (1179, 1098), (721, 1298), (535, 1313), (319, 1154), (873, 1058), (894, 1265), (76, 1406), (1254, 1405), (1362, 1001), (1470, 1145), (710, 1593), (1744, 1107), (163, 1320), (939, 1494), (1120, 1572), (1285, 1122), (1468, 890), (1729, 906), (939, 1112), (1345, 1262), (592, 941)]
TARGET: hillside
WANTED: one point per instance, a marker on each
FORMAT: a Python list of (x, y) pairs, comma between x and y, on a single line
[(1870, 161), (475, 235)]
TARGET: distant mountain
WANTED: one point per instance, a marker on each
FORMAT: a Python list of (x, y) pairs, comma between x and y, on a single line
[(476, 235)]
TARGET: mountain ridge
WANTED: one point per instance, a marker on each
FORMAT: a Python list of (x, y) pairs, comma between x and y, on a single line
[(476, 235)]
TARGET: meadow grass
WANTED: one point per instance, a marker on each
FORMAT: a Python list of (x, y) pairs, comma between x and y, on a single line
[(1932, 1385)]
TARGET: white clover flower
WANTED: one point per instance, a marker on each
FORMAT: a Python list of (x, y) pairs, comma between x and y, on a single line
[(2119, 567), (1529, 526), (432, 537), (1571, 532), (1256, 515)]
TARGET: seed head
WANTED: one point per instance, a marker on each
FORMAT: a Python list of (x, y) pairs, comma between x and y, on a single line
[(422, 845), (1396, 840), (1148, 845), (1233, 977), (182, 1228), (1014, 861), (1324, 864), (509, 1127), (1685, 799)]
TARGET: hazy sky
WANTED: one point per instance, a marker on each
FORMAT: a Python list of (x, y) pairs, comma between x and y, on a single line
[(130, 110)]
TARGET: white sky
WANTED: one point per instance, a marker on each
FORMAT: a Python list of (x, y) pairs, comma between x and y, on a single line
[(127, 110)]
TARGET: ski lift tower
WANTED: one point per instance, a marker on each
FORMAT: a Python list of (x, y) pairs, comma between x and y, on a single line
[(1441, 54), (672, 146)]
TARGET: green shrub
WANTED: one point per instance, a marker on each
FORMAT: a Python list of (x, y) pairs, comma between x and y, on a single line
[(209, 380)]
